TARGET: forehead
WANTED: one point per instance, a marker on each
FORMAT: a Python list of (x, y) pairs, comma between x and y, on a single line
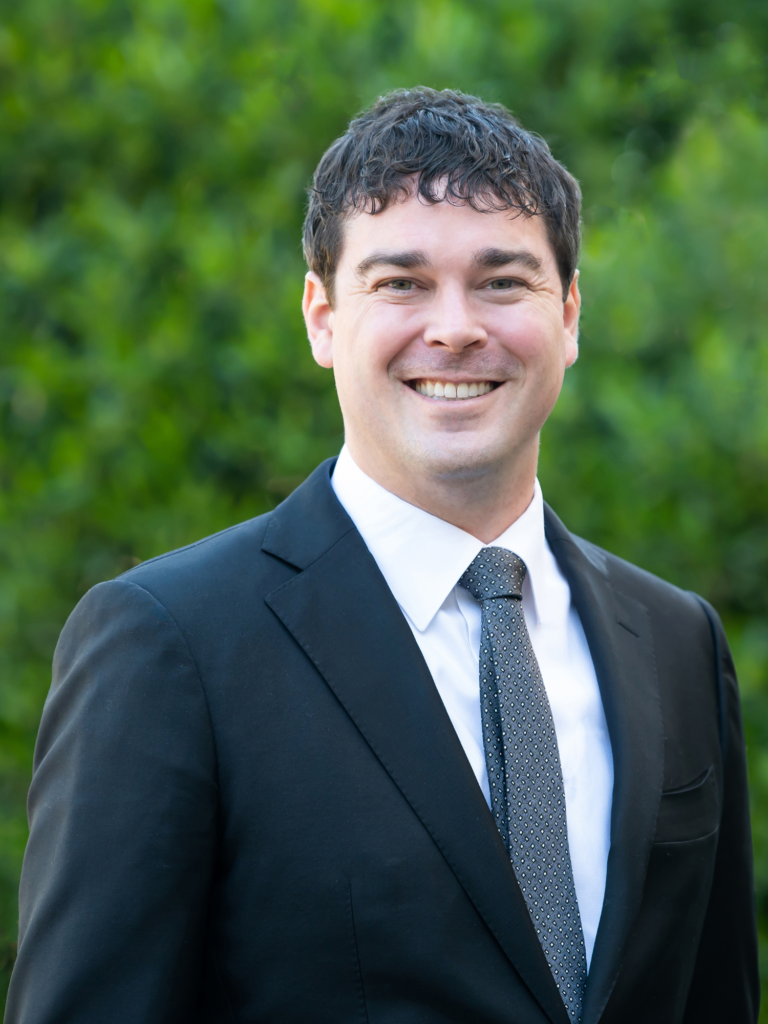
[(445, 232)]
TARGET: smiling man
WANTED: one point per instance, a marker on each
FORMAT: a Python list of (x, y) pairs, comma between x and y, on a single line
[(404, 749), (445, 300)]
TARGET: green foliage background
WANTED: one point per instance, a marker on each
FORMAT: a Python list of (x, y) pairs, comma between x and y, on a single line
[(155, 381)]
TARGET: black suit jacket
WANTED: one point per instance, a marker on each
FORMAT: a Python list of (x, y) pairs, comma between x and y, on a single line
[(249, 804)]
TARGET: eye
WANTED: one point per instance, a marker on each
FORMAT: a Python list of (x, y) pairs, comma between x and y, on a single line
[(502, 284), (400, 284)]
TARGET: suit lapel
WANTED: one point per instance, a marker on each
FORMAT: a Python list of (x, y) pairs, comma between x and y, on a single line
[(618, 632), (341, 612)]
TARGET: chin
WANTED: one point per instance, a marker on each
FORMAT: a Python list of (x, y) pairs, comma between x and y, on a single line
[(456, 461)]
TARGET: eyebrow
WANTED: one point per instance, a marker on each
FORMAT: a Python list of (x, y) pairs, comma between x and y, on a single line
[(407, 260), (491, 259), (486, 259)]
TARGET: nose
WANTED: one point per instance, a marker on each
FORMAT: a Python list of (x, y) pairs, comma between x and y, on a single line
[(453, 323)]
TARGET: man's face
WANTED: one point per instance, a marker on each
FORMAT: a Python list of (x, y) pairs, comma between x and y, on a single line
[(448, 338)]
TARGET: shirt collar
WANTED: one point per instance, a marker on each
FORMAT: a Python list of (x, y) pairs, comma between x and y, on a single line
[(422, 557)]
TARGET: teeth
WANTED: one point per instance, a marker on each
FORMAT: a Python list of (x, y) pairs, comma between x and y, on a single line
[(440, 389)]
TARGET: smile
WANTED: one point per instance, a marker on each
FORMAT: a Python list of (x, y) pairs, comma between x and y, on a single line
[(449, 390)]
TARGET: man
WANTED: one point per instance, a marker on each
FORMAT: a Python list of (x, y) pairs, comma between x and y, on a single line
[(404, 749)]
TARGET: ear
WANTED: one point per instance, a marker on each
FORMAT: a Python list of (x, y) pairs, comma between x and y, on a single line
[(571, 309), (318, 317)]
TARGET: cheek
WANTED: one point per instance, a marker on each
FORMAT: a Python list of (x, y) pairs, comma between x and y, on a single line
[(371, 340), (530, 335)]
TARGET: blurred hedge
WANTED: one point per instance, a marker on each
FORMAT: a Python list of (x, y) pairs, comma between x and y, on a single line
[(155, 382)]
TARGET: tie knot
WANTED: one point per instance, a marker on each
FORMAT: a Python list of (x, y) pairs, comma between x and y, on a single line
[(494, 572)]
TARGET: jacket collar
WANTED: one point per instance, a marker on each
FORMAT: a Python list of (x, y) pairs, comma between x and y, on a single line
[(309, 522), (341, 612)]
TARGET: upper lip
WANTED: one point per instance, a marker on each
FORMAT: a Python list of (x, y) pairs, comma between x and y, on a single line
[(447, 378)]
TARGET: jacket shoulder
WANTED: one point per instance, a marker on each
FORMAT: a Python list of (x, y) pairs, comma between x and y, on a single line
[(233, 542), (218, 574), (268, 548), (643, 586)]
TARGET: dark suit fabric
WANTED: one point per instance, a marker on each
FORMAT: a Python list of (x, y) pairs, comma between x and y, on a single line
[(249, 804)]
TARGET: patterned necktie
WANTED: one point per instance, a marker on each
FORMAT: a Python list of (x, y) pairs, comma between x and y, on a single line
[(524, 774)]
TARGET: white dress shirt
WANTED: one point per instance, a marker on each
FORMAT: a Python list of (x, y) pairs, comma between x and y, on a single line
[(422, 557)]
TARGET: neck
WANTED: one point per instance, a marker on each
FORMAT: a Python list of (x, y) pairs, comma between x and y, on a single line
[(483, 505)]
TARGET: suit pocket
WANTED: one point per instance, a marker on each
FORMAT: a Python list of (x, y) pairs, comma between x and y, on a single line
[(690, 812)]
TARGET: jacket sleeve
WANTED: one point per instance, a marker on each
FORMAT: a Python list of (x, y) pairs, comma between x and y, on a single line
[(122, 813), (725, 985)]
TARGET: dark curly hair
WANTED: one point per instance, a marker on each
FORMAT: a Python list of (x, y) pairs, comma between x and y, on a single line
[(459, 149)]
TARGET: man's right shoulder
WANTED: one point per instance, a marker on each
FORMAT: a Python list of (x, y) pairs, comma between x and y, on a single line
[(218, 552), (214, 576), (223, 579)]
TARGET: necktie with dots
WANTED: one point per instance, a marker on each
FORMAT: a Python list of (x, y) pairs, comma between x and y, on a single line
[(524, 773)]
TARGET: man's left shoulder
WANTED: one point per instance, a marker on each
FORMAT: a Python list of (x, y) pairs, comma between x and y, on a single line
[(678, 609)]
